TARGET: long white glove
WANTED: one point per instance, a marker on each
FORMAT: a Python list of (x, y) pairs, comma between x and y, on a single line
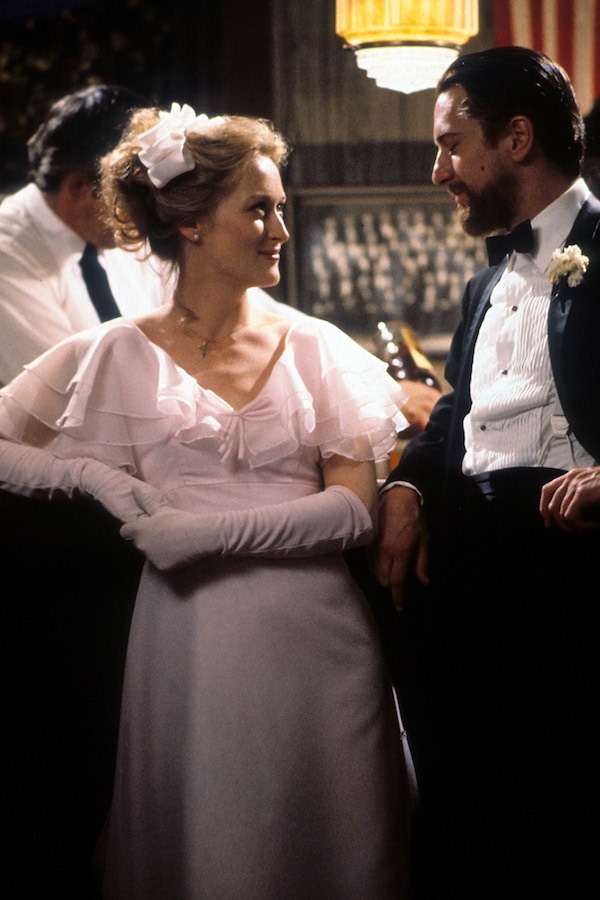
[(331, 520), (34, 472)]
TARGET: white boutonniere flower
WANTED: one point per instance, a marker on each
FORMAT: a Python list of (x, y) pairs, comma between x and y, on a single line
[(569, 262)]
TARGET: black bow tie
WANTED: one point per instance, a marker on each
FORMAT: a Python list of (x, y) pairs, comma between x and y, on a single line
[(500, 245)]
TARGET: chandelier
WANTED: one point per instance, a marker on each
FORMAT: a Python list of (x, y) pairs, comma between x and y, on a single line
[(406, 45)]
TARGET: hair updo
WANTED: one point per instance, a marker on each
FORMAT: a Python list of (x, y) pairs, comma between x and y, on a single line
[(139, 212)]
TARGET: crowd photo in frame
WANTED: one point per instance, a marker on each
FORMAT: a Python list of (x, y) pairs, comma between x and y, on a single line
[(358, 256)]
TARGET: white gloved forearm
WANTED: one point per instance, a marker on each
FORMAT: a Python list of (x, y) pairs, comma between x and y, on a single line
[(35, 472), (116, 490), (331, 520)]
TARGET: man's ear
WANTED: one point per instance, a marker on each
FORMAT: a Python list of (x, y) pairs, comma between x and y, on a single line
[(521, 136)]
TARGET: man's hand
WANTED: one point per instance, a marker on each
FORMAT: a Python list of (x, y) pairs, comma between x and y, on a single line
[(572, 500), (417, 409), (402, 541)]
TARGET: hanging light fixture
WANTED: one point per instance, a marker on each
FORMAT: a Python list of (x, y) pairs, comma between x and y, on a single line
[(406, 45)]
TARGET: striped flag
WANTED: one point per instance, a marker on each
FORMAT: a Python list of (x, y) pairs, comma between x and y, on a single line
[(566, 30)]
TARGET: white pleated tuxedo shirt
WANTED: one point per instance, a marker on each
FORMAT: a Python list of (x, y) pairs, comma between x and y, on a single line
[(516, 418)]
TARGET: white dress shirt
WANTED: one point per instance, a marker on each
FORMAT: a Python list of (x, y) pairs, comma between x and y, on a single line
[(516, 418), (43, 298)]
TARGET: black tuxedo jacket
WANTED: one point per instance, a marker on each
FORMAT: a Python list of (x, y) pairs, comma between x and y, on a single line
[(432, 460)]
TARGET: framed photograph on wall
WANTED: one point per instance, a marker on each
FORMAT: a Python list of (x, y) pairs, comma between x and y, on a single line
[(358, 256)]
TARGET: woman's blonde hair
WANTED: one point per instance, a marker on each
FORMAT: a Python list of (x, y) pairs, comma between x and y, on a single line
[(140, 213)]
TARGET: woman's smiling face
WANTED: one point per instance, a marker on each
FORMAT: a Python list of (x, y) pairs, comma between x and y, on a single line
[(241, 241)]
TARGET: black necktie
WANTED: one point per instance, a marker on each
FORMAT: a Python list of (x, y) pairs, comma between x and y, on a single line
[(96, 282), (500, 245)]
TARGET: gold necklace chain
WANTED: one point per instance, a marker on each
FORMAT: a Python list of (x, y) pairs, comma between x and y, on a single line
[(207, 343)]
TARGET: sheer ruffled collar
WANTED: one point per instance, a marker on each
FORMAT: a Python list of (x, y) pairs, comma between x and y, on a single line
[(113, 386)]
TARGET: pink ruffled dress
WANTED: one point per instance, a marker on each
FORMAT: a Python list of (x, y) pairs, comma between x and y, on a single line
[(260, 753)]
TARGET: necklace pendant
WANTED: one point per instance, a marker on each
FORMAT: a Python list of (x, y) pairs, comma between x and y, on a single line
[(204, 348)]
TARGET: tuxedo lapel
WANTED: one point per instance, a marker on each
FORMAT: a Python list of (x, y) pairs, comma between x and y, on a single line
[(489, 280), (574, 334), (472, 330), (586, 235), (482, 307)]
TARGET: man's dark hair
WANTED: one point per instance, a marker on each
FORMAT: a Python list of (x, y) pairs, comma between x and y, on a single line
[(79, 129), (515, 81)]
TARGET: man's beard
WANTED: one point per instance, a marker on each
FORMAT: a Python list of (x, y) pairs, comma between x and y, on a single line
[(490, 210)]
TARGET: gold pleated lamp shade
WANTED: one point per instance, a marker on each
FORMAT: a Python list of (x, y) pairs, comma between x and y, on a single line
[(406, 45)]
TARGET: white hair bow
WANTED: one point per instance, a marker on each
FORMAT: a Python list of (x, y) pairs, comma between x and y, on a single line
[(164, 152)]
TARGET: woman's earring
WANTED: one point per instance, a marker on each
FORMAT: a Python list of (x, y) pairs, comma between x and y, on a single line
[(196, 236)]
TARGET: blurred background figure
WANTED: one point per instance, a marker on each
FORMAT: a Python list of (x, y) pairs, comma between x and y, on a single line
[(591, 159), (59, 269)]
